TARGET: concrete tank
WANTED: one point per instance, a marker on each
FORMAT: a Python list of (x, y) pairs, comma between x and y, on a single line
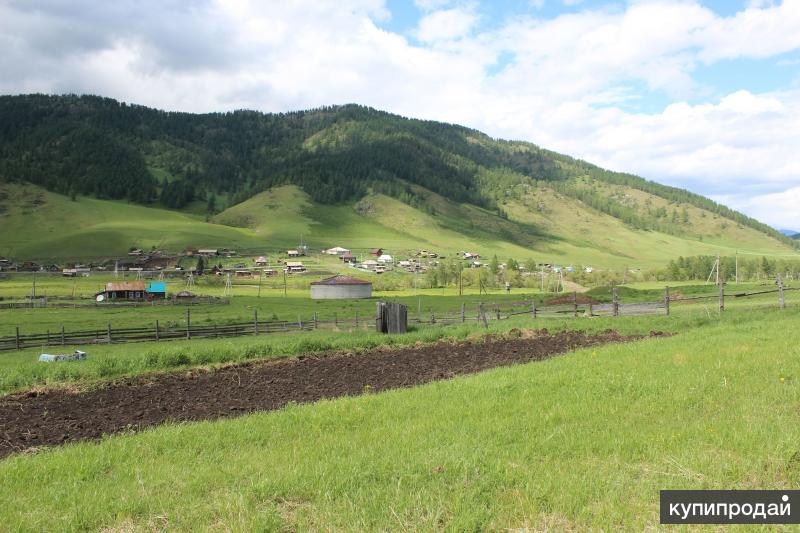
[(340, 288)]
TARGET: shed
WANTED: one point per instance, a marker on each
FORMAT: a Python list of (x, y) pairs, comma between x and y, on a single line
[(156, 289), (377, 252), (293, 253), (261, 260), (340, 287), (347, 258)]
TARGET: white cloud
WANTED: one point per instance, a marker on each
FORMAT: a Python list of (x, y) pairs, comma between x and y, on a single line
[(567, 86), (782, 208), (446, 24)]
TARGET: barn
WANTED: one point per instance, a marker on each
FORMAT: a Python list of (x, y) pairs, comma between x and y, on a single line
[(340, 287)]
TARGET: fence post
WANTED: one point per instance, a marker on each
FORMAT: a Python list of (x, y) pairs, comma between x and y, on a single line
[(109, 333), (62, 335), (533, 308), (781, 300), (356, 318), (497, 311), (255, 321), (615, 301), (335, 320), (315, 320), (48, 337), (433, 318), (188, 323), (18, 338), (463, 315), (721, 296), (575, 304), (590, 309), (666, 299), (300, 322), (157, 339)]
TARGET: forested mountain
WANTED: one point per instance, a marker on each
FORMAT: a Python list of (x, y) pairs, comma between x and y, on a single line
[(97, 146)]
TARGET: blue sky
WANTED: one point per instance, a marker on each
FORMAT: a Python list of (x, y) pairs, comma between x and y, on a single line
[(699, 94)]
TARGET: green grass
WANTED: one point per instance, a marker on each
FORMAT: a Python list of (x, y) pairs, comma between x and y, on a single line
[(573, 443), (21, 369), (43, 225)]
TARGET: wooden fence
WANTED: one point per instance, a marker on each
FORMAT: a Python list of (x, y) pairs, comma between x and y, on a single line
[(481, 312), (75, 303)]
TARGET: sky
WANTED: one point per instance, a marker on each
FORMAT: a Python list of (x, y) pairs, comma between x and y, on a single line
[(703, 95)]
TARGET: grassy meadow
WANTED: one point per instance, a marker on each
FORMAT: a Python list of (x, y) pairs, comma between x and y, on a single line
[(38, 224), (583, 441)]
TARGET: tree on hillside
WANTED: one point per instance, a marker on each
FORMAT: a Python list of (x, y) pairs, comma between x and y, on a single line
[(494, 265)]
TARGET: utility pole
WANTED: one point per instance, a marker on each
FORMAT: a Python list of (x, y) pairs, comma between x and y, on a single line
[(717, 269), (284, 283)]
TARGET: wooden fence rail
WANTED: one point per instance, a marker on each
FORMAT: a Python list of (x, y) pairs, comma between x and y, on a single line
[(482, 312)]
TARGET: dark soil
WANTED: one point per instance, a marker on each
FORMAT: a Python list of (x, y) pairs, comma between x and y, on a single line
[(33, 419)]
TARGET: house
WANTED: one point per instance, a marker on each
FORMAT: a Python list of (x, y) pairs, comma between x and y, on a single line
[(385, 258), (4, 261), (261, 260), (475, 264), (294, 267), (269, 272), (126, 290), (160, 262), (377, 252), (347, 258), (136, 252), (337, 250), (69, 272), (228, 253), (208, 252), (242, 273), (404, 264), (471, 255), (369, 264), (294, 253), (156, 289)]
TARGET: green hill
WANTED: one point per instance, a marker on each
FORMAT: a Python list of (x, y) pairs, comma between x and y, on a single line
[(88, 176), (38, 224)]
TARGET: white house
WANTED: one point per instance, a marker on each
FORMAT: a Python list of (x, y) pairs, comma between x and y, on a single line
[(337, 250), (295, 266), (385, 258)]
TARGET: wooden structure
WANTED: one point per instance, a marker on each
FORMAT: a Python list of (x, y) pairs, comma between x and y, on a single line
[(391, 318)]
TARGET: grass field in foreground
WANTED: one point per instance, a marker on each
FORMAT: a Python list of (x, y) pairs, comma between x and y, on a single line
[(576, 442)]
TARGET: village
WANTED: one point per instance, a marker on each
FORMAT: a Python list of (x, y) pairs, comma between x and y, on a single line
[(140, 275)]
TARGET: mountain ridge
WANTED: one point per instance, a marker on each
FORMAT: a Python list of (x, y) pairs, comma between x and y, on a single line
[(100, 147)]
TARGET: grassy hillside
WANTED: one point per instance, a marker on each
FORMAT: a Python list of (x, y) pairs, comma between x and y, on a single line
[(39, 224), (543, 224), (336, 155)]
